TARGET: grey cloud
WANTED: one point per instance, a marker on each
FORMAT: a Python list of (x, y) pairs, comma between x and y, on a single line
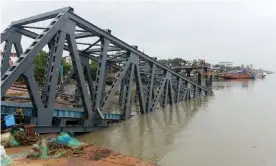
[(241, 31)]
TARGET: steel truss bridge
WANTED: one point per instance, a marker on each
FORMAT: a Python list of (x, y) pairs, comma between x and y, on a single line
[(163, 85)]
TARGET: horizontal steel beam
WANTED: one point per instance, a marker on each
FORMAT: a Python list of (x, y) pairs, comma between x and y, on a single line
[(99, 50), (83, 35), (88, 34), (41, 17), (27, 33), (33, 27)]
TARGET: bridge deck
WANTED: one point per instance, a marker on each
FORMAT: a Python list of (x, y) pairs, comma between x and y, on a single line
[(8, 108)]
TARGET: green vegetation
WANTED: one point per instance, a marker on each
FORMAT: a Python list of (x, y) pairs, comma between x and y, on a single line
[(40, 62)]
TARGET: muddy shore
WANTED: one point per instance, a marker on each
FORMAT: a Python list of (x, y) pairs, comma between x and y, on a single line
[(94, 156)]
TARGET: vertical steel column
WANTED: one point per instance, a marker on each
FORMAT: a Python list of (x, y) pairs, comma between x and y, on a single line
[(150, 88), (189, 86), (18, 47), (100, 84), (210, 79), (199, 78), (170, 93), (211, 82), (194, 91), (90, 83), (159, 91), (164, 98), (182, 93), (77, 97), (153, 93), (122, 92), (203, 81), (185, 90), (139, 86), (203, 93), (104, 82), (76, 62), (178, 90), (200, 92), (52, 44), (136, 94), (125, 85), (197, 91), (88, 77), (6, 56), (127, 100), (54, 67)]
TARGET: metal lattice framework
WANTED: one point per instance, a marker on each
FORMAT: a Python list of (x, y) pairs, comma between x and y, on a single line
[(62, 34)]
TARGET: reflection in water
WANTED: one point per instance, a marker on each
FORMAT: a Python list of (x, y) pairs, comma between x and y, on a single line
[(244, 83), (147, 136)]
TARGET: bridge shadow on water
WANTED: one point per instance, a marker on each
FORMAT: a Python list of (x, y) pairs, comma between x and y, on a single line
[(151, 135)]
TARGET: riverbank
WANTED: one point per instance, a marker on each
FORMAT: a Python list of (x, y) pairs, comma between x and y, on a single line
[(24, 148), (93, 156)]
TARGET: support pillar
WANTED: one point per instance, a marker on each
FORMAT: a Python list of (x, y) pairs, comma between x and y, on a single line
[(150, 88), (101, 76), (127, 100), (179, 84), (77, 97)]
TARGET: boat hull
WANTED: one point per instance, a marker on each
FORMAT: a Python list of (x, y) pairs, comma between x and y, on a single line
[(239, 76)]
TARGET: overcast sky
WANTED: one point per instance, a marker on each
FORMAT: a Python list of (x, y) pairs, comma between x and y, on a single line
[(243, 32)]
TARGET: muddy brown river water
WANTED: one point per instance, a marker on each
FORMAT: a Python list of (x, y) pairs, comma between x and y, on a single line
[(233, 128)]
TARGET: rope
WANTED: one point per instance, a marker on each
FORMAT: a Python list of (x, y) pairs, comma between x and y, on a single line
[(24, 138)]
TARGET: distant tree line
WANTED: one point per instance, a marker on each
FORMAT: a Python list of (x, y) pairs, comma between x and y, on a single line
[(176, 62)]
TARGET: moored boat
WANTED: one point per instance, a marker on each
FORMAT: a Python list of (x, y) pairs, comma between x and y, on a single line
[(239, 75)]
